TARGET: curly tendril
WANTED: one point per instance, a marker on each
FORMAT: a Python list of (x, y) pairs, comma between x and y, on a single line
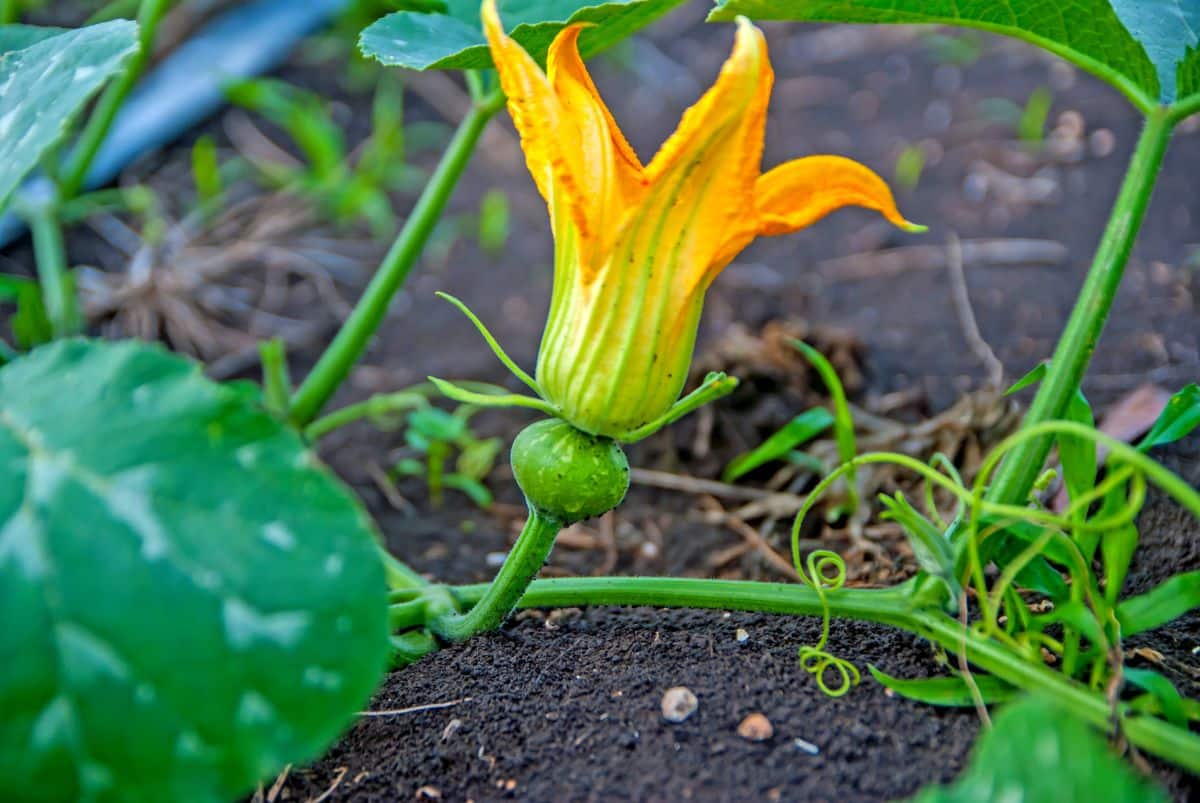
[(814, 658), (1072, 533)]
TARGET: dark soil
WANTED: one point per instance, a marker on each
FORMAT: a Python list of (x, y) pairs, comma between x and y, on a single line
[(566, 706)]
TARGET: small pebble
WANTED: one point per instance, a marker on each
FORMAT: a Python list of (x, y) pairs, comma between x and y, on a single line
[(495, 560), (1102, 142), (756, 728), (741, 635), (451, 728), (807, 746), (678, 703)]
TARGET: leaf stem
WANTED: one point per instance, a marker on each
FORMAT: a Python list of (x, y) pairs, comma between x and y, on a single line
[(277, 384), (376, 406), (74, 173), (352, 339), (1070, 361), (58, 292)]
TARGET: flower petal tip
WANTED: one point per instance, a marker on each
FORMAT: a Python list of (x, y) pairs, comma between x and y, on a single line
[(914, 228)]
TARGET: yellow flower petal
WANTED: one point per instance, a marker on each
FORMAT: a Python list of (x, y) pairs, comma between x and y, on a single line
[(610, 171), (800, 192), (599, 134), (548, 137), (702, 179), (738, 99)]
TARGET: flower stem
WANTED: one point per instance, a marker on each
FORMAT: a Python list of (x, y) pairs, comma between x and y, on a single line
[(351, 340), (1070, 361), (892, 606), (501, 596)]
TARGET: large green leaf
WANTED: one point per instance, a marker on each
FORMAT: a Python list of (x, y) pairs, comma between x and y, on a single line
[(189, 599), (455, 41), (1037, 753), (1149, 49), (44, 84)]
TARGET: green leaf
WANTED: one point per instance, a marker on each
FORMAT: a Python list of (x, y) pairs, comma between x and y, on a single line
[(1038, 753), (1034, 375), (1117, 545), (1147, 49), (1169, 699), (1004, 546), (478, 458), (1160, 605), (802, 428), (30, 325), (43, 85), (454, 41), (843, 419), (930, 545), (1075, 617), (1077, 453), (947, 691), (475, 490), (437, 425), (190, 600), (1177, 420), (19, 37)]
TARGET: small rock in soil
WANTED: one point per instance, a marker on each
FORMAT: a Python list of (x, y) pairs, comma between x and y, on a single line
[(807, 746), (756, 728), (678, 703), (741, 635), (451, 728)]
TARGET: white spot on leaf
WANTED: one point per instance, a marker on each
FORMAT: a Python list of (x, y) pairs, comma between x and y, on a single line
[(129, 501), (246, 626), (254, 710), (277, 534), (20, 546), (322, 678)]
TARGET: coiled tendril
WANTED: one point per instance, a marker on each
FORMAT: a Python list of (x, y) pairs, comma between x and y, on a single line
[(814, 658)]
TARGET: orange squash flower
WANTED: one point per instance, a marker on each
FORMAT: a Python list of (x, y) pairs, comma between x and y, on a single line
[(636, 247)]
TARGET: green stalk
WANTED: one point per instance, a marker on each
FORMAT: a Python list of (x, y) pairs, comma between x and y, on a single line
[(10, 11), (150, 14), (58, 292), (352, 339), (502, 595), (888, 606), (399, 575), (277, 384), (377, 406), (1020, 469)]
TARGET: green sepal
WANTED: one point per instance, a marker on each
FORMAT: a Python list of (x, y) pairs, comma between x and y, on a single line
[(716, 385), (464, 396)]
